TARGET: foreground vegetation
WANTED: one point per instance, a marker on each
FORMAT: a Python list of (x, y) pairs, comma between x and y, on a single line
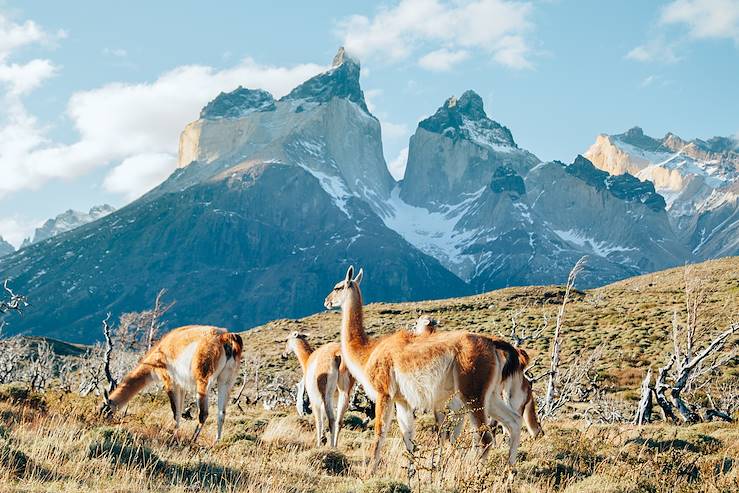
[(53, 439), (55, 442)]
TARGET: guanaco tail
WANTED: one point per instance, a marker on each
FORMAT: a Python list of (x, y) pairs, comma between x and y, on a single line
[(190, 358)]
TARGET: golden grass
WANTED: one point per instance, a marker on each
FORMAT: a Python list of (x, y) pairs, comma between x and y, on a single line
[(631, 318), (66, 447)]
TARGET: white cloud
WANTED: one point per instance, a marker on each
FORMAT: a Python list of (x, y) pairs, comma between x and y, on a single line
[(656, 50), (120, 121), (392, 130), (397, 165), (14, 36), (495, 27), (24, 78), (648, 80), (442, 59), (704, 18), (15, 229), (137, 174)]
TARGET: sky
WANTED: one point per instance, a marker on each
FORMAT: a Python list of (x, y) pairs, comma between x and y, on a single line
[(93, 98)]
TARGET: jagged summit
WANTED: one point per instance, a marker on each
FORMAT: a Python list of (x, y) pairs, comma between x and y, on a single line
[(342, 57), (465, 118), (238, 103), (341, 81), (625, 186)]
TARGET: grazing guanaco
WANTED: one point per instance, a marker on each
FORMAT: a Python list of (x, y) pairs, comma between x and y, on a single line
[(194, 357), (414, 372), (323, 374)]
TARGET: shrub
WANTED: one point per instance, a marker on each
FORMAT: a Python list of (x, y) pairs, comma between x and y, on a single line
[(330, 461)]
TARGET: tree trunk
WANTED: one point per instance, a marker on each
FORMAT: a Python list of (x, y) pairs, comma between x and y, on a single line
[(644, 412)]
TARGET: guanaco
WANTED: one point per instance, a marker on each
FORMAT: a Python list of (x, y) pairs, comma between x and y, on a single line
[(323, 375), (414, 372), (517, 393), (193, 357)]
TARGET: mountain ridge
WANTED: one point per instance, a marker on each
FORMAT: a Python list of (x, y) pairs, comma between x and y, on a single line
[(271, 199)]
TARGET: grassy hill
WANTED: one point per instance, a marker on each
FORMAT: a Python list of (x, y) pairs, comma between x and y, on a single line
[(57, 441), (632, 319)]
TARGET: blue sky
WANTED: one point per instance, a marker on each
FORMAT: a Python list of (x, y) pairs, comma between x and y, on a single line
[(94, 97)]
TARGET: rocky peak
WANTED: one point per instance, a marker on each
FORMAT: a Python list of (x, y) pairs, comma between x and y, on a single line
[(341, 81), (238, 103), (636, 137), (66, 221), (465, 118), (625, 186)]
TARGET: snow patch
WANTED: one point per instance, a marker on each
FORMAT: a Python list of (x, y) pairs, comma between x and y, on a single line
[(600, 248)]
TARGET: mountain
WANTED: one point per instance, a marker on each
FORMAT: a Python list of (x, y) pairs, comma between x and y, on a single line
[(67, 221), (698, 178), (5, 247), (273, 198), (495, 215), (271, 201)]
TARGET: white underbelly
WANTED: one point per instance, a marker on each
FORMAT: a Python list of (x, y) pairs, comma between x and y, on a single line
[(427, 387), (181, 368)]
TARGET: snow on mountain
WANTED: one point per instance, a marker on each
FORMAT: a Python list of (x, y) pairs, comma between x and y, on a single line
[(67, 221), (699, 180), (685, 172)]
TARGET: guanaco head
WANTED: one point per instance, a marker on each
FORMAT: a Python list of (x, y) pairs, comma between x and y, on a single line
[(424, 326), (339, 294), (292, 340)]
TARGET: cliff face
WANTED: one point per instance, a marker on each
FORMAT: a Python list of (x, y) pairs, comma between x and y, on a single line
[(271, 203), (272, 199), (698, 179)]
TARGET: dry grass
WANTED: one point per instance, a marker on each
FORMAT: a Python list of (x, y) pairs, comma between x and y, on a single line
[(57, 442), (631, 318), (65, 447)]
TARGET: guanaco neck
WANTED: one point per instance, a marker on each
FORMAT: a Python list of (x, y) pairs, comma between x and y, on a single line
[(302, 350), (352, 326)]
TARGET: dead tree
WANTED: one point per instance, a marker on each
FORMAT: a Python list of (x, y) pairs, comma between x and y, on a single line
[(41, 367), (14, 302), (520, 334), (112, 384), (551, 400), (688, 366), (155, 315), (644, 411), (13, 353)]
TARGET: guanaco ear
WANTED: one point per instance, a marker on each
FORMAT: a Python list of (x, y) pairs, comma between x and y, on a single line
[(349, 274), (358, 279)]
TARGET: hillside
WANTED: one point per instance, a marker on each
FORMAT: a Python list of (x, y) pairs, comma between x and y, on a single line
[(631, 318)]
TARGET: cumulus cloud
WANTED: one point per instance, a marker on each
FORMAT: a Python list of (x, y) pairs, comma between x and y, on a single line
[(443, 59), (495, 27), (704, 18), (139, 173), (397, 165), (15, 229), (119, 122)]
